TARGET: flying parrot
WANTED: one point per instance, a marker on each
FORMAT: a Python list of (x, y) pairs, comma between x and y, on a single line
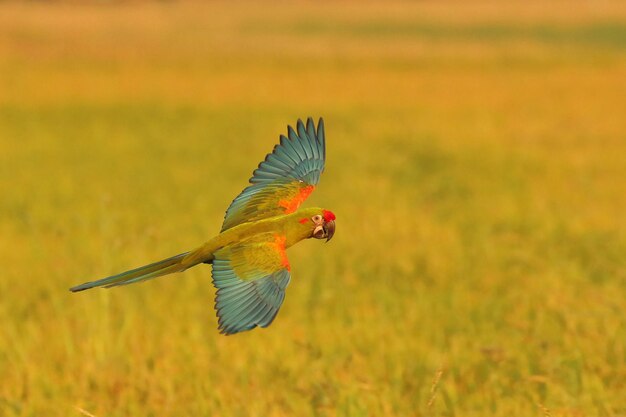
[(248, 256)]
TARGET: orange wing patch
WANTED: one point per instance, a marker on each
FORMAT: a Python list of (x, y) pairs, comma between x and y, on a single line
[(292, 204), (279, 242)]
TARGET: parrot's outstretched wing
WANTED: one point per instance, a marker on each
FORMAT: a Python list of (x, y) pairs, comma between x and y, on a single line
[(250, 277), (284, 179)]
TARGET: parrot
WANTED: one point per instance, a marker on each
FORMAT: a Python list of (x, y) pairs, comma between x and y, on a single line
[(250, 268)]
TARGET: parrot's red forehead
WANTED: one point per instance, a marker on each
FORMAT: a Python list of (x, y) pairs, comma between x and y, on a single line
[(328, 215)]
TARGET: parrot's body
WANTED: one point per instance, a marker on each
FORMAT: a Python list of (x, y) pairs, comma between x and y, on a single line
[(250, 265)]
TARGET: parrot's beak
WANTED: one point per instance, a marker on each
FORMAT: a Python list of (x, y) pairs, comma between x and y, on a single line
[(329, 229)]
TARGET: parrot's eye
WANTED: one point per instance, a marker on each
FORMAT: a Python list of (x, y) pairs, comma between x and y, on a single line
[(317, 218)]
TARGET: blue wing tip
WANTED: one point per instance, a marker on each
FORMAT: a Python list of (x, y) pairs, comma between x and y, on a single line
[(309, 127), (320, 125)]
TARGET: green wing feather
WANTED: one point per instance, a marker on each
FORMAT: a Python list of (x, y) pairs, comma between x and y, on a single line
[(284, 179), (250, 277)]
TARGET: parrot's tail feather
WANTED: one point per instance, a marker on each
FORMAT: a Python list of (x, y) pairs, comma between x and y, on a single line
[(154, 270)]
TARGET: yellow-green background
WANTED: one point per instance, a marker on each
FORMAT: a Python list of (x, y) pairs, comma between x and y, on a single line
[(476, 164)]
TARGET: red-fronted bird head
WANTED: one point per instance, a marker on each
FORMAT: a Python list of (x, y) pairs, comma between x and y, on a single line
[(320, 222), (324, 225)]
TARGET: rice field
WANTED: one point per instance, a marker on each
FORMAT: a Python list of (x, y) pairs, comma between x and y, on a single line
[(476, 165)]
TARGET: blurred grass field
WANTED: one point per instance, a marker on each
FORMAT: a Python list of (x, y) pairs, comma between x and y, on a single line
[(476, 164)]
